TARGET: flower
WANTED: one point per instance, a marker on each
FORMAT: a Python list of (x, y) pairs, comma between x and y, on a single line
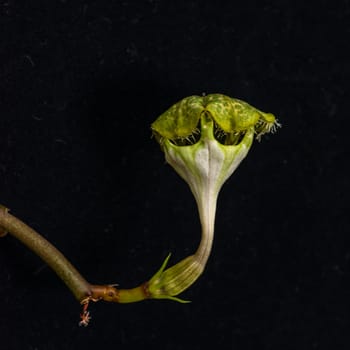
[(204, 139)]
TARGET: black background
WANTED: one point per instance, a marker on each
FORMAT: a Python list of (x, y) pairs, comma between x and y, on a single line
[(80, 84)]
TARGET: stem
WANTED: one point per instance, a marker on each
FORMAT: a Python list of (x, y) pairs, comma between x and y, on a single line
[(82, 289), (43, 248)]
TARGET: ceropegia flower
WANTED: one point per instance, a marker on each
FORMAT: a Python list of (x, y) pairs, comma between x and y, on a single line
[(204, 139)]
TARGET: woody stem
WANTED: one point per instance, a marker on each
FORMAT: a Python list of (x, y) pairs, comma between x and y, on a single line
[(43, 248), (79, 286)]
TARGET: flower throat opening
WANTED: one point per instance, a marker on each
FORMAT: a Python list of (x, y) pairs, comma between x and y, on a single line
[(232, 139)]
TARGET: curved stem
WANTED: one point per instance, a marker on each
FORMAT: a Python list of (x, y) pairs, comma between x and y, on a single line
[(43, 248), (80, 287)]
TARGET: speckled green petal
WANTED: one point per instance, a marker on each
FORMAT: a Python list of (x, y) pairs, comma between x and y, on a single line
[(232, 115), (180, 120)]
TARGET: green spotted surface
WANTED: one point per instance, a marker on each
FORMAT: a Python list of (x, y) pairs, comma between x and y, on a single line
[(231, 116)]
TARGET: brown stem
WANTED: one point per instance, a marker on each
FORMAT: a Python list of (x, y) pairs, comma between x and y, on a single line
[(82, 290), (43, 248), (4, 210), (122, 296)]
